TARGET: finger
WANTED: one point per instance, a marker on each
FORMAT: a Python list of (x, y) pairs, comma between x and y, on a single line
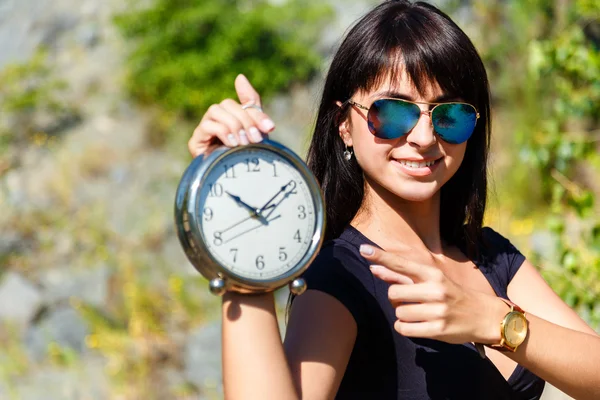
[(218, 114), (416, 271), (390, 276), (417, 293), (208, 134), (245, 91), (249, 130), (421, 312), (427, 329), (248, 95)]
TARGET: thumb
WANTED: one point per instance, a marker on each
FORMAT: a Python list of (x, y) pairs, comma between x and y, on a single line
[(245, 91)]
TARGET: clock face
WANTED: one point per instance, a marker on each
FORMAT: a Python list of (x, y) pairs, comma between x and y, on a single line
[(258, 216), (515, 329)]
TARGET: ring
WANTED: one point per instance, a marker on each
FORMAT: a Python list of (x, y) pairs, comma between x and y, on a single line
[(252, 105)]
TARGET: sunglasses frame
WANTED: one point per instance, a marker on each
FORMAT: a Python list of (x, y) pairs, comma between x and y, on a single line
[(426, 112)]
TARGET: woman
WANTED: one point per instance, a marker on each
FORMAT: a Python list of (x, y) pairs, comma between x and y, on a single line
[(404, 173)]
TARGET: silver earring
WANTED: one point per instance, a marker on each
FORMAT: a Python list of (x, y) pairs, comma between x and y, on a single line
[(347, 154)]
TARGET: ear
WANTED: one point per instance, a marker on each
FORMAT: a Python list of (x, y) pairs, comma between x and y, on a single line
[(344, 128)]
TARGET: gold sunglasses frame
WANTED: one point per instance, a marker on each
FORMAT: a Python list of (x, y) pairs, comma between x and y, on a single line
[(426, 112)]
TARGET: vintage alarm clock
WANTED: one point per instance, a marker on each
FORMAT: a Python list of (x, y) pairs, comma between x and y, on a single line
[(251, 218)]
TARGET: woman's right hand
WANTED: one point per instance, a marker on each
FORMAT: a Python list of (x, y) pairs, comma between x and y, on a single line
[(230, 123)]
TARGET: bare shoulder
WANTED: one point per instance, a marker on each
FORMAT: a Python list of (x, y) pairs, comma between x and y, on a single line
[(530, 291), (319, 339)]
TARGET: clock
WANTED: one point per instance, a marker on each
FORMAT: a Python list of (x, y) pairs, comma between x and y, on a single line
[(251, 218)]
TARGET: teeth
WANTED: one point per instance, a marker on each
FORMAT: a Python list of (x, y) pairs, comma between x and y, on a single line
[(414, 164)]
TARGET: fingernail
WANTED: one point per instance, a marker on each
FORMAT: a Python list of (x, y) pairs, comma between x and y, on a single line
[(243, 137), (267, 125), (375, 268), (366, 250), (232, 140), (255, 135)]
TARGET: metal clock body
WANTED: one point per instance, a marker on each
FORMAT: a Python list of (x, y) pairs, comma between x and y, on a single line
[(250, 218)]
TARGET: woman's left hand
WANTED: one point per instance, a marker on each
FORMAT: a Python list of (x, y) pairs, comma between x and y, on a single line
[(433, 306)]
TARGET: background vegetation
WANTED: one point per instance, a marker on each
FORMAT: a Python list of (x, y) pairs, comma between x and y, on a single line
[(543, 57)]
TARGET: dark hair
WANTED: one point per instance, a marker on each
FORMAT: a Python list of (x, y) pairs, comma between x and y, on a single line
[(430, 47)]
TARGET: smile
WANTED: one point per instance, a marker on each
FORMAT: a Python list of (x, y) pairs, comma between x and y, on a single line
[(417, 168)]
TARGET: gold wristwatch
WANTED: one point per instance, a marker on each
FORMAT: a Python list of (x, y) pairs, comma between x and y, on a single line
[(513, 328)]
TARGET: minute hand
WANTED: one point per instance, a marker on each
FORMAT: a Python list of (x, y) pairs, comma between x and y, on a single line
[(266, 205), (272, 207)]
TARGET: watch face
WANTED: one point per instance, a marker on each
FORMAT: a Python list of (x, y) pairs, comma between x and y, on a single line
[(515, 329), (258, 214)]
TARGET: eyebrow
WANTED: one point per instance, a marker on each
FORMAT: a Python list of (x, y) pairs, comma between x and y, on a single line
[(398, 95)]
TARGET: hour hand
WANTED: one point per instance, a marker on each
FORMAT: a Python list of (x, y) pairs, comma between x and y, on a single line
[(252, 210)]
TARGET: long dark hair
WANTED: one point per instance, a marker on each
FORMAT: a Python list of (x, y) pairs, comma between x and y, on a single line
[(430, 47)]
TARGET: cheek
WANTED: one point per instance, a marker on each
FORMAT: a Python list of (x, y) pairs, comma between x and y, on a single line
[(455, 153), (370, 155)]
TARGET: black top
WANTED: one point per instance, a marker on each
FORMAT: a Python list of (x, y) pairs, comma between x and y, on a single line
[(386, 365)]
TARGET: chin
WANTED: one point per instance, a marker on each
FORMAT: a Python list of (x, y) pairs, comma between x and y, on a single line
[(412, 191), (416, 196)]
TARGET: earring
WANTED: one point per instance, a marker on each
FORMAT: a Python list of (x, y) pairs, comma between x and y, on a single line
[(347, 154)]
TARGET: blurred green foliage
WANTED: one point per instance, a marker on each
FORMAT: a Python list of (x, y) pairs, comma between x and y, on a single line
[(546, 78), (187, 54)]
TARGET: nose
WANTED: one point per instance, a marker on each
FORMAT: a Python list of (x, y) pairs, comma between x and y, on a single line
[(422, 135)]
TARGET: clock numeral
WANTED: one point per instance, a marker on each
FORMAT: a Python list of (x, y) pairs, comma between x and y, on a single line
[(215, 190), (234, 253), (253, 164), (229, 171), (293, 191), (208, 214), (260, 262), (301, 212), (217, 238), (274, 170), (282, 254), (297, 236)]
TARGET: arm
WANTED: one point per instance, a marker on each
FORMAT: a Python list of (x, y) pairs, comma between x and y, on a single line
[(435, 307), (319, 340), (560, 348)]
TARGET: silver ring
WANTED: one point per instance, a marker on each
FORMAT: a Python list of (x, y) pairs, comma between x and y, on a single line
[(252, 105)]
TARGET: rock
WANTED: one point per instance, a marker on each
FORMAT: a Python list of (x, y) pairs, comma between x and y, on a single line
[(87, 381), (91, 285), (202, 358), (89, 35), (62, 326), (10, 242), (19, 299)]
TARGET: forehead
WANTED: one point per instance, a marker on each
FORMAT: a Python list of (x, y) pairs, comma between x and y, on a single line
[(398, 81)]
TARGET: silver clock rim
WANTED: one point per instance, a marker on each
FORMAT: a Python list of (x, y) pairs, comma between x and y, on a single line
[(188, 219)]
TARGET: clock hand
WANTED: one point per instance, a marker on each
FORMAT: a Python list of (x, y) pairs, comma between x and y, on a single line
[(234, 225), (254, 212), (276, 194), (285, 196), (251, 229)]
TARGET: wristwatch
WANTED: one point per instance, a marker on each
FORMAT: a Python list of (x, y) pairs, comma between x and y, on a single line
[(513, 328)]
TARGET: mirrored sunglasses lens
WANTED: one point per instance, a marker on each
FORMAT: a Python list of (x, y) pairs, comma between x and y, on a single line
[(390, 119), (454, 122)]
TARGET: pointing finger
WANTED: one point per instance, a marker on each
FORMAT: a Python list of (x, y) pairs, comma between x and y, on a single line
[(390, 276), (417, 272)]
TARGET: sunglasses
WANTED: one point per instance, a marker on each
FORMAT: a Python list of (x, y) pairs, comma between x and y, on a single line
[(392, 118)]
